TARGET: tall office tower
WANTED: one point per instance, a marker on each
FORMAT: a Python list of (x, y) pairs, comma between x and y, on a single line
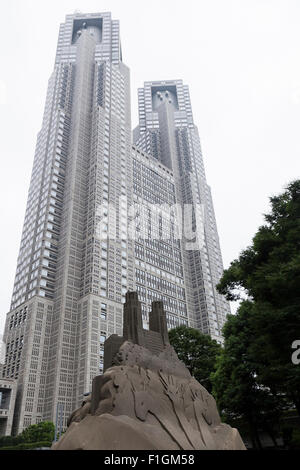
[(167, 131), (81, 248), (69, 282), (159, 273)]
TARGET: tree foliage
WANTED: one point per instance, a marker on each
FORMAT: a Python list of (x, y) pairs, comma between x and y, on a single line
[(36, 433), (270, 268), (39, 432), (238, 393), (269, 272), (197, 350)]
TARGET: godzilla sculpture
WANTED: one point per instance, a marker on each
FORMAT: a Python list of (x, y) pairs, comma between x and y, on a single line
[(146, 399)]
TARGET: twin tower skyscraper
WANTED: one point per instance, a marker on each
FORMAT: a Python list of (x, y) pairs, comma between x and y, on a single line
[(108, 211)]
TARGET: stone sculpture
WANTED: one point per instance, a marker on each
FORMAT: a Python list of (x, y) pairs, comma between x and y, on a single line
[(146, 399)]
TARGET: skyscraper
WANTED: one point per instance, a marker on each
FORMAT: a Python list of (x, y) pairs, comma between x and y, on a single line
[(76, 259), (167, 131)]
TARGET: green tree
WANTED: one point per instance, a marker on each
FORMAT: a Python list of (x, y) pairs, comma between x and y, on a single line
[(239, 396), (43, 431), (198, 351), (268, 272), (36, 433)]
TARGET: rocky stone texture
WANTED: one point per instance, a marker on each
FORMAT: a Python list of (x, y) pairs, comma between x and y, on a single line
[(146, 399), (148, 402)]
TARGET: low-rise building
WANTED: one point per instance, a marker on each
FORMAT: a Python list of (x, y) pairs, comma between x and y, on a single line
[(7, 404)]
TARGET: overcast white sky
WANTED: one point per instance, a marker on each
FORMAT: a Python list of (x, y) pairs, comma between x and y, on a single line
[(241, 60)]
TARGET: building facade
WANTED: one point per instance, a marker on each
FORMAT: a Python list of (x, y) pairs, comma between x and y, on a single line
[(76, 260), (8, 388), (159, 271), (167, 131)]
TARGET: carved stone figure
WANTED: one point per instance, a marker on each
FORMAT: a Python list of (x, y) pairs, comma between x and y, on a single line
[(146, 399)]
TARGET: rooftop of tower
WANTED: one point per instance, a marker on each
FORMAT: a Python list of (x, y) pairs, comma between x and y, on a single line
[(93, 25)]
